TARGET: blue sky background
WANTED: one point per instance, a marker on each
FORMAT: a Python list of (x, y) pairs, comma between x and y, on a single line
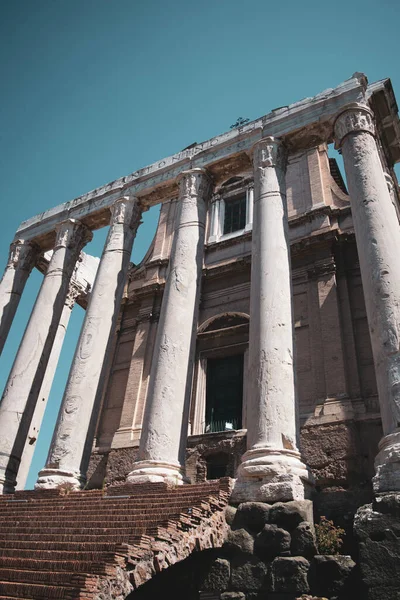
[(95, 89)]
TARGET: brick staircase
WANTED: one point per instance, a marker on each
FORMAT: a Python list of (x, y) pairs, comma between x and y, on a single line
[(76, 545)]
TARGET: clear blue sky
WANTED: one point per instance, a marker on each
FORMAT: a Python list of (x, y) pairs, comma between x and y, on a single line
[(95, 89)]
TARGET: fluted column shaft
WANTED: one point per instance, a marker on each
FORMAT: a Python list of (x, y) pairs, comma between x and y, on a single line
[(165, 421), (271, 469), (27, 373), (378, 242), (36, 423), (71, 445), (21, 260)]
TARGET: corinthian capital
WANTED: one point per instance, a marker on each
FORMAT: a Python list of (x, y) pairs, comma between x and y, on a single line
[(22, 255), (72, 234), (126, 211), (354, 118), (269, 152), (72, 295), (193, 183)]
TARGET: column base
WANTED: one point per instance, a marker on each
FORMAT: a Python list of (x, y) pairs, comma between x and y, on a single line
[(387, 464), (50, 479), (154, 471), (267, 475), (7, 487)]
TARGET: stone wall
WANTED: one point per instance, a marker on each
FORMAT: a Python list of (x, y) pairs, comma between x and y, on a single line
[(270, 554)]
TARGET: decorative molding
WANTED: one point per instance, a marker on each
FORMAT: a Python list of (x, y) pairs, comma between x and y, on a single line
[(22, 255), (194, 183), (73, 293), (126, 211), (72, 234), (269, 152), (354, 118)]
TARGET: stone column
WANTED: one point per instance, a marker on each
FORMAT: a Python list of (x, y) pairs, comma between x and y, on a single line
[(27, 373), (71, 445), (378, 241), (165, 426), (21, 260), (271, 469), (36, 423)]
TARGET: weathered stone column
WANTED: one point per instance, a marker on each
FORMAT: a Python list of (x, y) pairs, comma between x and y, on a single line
[(70, 447), (20, 263), (34, 429), (271, 469), (164, 427), (26, 377), (378, 242)]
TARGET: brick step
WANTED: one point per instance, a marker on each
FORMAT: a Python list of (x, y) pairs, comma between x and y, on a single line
[(54, 545), (15, 598), (59, 555), (64, 578), (7, 541), (75, 566), (103, 513), (85, 526), (90, 522), (37, 591), (104, 503), (87, 497)]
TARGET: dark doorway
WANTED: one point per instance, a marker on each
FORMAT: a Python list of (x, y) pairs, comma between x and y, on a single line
[(224, 393)]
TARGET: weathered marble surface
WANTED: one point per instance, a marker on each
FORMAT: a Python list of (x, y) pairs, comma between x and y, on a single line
[(25, 380), (165, 420), (69, 452), (271, 469), (20, 263), (378, 240)]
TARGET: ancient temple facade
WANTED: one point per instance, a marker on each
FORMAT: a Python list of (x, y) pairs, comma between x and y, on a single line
[(258, 338)]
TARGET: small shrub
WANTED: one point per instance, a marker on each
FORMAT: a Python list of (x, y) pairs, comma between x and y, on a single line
[(329, 537)]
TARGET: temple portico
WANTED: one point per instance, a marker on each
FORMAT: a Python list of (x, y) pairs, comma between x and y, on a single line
[(264, 199)]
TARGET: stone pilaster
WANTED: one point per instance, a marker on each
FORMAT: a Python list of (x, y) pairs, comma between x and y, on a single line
[(70, 448), (44, 393), (271, 469), (25, 380), (165, 425), (378, 241), (20, 263)]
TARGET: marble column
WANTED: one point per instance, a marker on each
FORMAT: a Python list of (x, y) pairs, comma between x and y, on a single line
[(26, 377), (21, 260), (36, 423), (71, 445), (165, 426), (271, 469), (378, 242)]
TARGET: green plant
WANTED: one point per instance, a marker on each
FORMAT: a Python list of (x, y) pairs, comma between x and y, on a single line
[(329, 537)]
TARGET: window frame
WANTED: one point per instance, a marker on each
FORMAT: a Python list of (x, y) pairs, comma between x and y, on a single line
[(217, 216)]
